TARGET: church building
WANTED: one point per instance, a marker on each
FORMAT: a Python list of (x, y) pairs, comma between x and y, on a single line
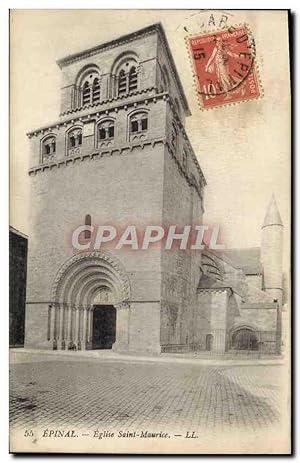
[(119, 155)]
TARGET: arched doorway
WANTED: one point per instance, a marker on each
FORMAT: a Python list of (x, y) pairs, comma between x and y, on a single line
[(104, 317), (104, 327), (244, 339), (88, 292), (209, 342)]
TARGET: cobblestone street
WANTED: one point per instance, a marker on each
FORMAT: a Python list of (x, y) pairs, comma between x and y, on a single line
[(135, 394)]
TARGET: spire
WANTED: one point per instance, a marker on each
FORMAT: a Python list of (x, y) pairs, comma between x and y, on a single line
[(272, 216)]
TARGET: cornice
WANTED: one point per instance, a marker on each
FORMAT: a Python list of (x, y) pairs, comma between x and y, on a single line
[(79, 118), (107, 101), (127, 38), (99, 154), (82, 116), (94, 155)]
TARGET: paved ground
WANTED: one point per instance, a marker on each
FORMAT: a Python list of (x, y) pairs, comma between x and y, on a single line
[(93, 393)]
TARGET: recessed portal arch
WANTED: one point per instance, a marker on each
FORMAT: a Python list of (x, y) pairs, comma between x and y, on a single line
[(86, 282)]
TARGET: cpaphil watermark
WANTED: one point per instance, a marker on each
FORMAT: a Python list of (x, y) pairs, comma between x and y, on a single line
[(196, 237)]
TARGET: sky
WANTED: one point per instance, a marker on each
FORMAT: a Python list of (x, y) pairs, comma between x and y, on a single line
[(243, 149)]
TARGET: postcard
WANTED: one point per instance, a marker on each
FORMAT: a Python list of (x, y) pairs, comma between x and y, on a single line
[(150, 296)]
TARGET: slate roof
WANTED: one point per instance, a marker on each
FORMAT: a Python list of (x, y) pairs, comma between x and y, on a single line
[(248, 259)]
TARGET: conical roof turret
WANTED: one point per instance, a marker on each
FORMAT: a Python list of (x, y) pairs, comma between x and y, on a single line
[(272, 216)]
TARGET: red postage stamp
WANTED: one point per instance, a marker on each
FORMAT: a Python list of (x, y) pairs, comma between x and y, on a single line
[(224, 66)]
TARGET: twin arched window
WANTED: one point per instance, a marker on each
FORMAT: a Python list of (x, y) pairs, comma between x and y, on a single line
[(139, 122), (124, 81), (138, 125), (106, 130), (90, 88), (74, 138), (127, 80)]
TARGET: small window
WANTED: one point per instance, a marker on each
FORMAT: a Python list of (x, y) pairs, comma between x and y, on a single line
[(139, 122), (75, 138), (144, 124), (102, 133), (134, 126), (111, 131), (49, 147), (106, 130)]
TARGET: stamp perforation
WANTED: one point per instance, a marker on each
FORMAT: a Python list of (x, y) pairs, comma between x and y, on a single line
[(255, 67)]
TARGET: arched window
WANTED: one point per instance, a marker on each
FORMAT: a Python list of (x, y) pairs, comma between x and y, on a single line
[(74, 138), (86, 93), (127, 80), (88, 221), (90, 88), (122, 83), (48, 148), (133, 79), (96, 90), (139, 122), (106, 130)]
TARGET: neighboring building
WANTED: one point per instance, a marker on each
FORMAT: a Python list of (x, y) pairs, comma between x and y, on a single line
[(240, 294), (17, 286), (119, 154)]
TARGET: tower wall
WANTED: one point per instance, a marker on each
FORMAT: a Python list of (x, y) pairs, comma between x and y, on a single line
[(182, 205), (114, 191), (109, 156)]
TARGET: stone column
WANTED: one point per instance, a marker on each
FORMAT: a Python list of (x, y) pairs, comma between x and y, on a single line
[(89, 327), (76, 325), (84, 328), (61, 326), (69, 324), (122, 327), (49, 323)]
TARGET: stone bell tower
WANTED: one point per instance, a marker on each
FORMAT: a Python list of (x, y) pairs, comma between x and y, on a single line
[(118, 154), (271, 251)]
